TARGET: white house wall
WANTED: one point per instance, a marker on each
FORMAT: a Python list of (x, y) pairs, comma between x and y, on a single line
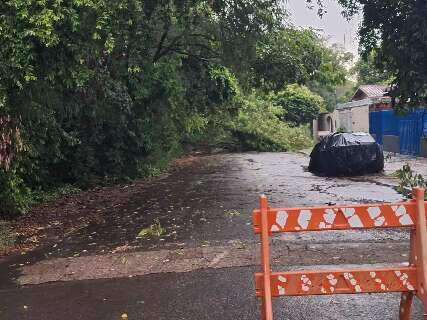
[(354, 119), (360, 119), (345, 120)]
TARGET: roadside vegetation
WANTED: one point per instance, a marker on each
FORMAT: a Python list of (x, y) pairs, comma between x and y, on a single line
[(97, 92), (7, 237), (393, 43), (409, 179)]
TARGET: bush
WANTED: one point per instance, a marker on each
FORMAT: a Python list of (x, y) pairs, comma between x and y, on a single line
[(105, 91), (299, 105), (258, 127), (7, 237), (15, 197), (409, 179)]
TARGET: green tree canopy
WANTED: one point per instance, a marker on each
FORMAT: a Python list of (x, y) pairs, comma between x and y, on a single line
[(300, 56), (367, 70), (397, 31), (297, 56), (299, 104), (100, 91)]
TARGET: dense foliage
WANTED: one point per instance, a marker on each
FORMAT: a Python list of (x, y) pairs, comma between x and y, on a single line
[(300, 56), (409, 179), (258, 126), (397, 31), (99, 91), (298, 104), (367, 71)]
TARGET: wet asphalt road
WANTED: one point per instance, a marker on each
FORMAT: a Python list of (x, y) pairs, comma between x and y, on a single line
[(208, 203), (225, 294), (204, 295)]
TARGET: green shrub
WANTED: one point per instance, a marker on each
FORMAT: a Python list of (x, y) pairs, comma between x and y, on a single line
[(15, 196), (299, 104), (109, 91), (409, 179), (7, 236), (258, 127), (54, 194)]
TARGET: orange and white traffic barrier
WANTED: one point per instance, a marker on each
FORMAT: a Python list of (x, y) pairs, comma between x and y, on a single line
[(410, 280)]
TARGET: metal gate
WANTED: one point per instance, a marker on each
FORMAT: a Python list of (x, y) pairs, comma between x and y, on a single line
[(410, 128), (410, 132)]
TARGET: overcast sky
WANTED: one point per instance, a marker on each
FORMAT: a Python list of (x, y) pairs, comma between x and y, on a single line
[(335, 27)]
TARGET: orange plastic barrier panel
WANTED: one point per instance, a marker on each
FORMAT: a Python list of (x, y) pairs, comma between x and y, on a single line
[(364, 216), (340, 281), (411, 280)]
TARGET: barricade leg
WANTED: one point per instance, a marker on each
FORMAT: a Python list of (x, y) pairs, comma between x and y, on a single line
[(421, 247), (267, 309), (263, 314), (406, 306), (407, 297)]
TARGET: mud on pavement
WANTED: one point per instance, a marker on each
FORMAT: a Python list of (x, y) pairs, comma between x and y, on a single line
[(207, 252)]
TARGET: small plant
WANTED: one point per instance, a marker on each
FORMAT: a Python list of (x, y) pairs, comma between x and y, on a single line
[(7, 238), (409, 179), (54, 194), (155, 229)]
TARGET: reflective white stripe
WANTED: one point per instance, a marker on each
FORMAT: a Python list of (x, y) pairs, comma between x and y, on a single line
[(282, 218), (353, 219), (304, 219)]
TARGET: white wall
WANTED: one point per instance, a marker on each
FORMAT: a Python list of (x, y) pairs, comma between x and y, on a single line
[(345, 116), (355, 119), (315, 130), (360, 119)]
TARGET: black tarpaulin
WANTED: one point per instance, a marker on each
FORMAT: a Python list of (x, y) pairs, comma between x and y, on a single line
[(347, 154)]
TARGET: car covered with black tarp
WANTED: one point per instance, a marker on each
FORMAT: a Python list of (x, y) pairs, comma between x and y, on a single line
[(347, 154)]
